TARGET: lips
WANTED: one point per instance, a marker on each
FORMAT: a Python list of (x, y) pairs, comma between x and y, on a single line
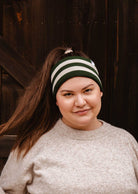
[(82, 112)]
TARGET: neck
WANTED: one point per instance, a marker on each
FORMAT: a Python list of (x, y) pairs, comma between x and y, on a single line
[(92, 126)]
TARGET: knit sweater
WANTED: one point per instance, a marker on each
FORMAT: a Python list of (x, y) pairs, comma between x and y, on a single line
[(71, 161)]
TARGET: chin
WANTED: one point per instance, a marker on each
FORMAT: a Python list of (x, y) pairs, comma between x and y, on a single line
[(82, 124), (86, 122)]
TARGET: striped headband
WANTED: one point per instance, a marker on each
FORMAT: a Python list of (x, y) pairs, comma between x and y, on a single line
[(74, 66)]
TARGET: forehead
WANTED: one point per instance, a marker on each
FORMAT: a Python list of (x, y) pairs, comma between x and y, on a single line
[(77, 83)]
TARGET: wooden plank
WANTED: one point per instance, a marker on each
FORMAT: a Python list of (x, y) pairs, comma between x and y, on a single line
[(20, 69), (1, 16), (11, 91), (6, 144)]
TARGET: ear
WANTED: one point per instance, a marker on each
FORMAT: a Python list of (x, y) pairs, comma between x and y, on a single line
[(56, 103), (101, 94)]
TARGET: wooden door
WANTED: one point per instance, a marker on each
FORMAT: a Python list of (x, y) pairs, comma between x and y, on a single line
[(105, 30)]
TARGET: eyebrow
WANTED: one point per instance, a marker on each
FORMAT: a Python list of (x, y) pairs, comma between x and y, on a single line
[(87, 86), (72, 91)]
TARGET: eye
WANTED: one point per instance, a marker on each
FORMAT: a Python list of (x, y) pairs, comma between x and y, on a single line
[(88, 90), (68, 94)]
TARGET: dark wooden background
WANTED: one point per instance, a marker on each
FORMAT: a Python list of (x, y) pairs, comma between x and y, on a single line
[(104, 29)]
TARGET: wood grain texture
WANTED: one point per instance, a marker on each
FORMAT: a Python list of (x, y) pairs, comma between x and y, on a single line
[(105, 30)]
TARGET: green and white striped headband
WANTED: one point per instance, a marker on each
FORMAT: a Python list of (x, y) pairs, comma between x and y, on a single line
[(74, 66)]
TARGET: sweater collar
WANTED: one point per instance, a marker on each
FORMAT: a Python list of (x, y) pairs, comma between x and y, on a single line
[(65, 130)]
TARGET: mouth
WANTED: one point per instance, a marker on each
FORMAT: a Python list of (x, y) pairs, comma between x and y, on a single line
[(82, 112)]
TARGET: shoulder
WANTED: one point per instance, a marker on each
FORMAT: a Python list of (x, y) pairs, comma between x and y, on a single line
[(42, 144), (119, 132), (122, 136), (45, 142)]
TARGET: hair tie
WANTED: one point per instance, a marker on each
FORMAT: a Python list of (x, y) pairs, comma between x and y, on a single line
[(69, 50)]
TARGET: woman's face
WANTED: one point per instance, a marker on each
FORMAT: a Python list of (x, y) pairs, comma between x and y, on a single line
[(79, 101)]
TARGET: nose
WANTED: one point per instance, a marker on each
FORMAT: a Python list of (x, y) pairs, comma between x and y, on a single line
[(80, 101)]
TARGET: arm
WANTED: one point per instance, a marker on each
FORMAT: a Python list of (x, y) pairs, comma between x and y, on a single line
[(133, 146), (136, 159), (16, 175), (1, 191)]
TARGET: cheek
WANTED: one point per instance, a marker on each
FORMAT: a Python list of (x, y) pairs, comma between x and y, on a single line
[(95, 100), (64, 105)]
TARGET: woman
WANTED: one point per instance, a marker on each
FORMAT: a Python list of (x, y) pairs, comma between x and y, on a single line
[(62, 147)]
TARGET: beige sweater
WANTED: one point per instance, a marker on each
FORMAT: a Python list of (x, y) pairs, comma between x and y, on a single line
[(69, 161)]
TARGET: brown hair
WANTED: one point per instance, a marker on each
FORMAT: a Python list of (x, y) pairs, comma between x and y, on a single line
[(37, 112)]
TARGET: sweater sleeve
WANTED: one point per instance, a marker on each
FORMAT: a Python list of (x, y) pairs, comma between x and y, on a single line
[(1, 191), (133, 146), (16, 175)]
